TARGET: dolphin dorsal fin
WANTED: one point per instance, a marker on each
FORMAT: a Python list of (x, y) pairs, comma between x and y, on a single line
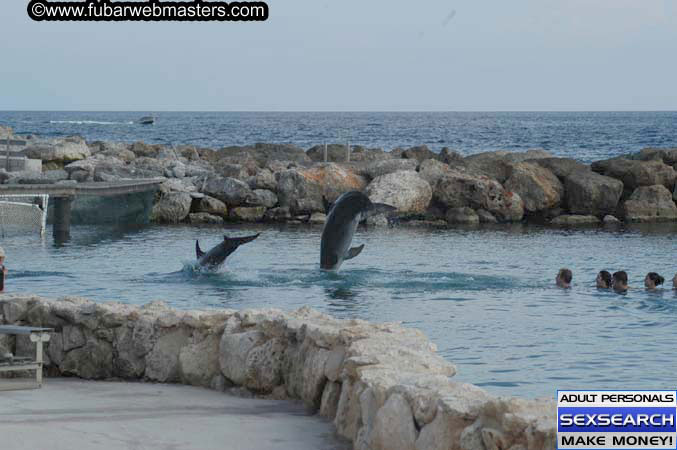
[(198, 251), (353, 252)]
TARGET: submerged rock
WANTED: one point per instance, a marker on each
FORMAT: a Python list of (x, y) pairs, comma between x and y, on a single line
[(204, 218), (572, 219), (247, 214), (462, 215)]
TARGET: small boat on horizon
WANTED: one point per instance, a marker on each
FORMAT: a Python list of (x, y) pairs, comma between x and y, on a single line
[(147, 120)]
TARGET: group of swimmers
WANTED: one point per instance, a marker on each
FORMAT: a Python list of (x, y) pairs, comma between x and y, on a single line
[(618, 281)]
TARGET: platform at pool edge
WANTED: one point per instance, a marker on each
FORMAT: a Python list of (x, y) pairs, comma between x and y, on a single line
[(70, 413)]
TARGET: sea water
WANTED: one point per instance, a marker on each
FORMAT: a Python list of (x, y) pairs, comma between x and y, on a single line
[(485, 296), (585, 136)]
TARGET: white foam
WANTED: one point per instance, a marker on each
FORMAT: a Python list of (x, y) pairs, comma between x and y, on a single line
[(89, 122)]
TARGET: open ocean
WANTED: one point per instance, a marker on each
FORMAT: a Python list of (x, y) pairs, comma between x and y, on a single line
[(586, 136)]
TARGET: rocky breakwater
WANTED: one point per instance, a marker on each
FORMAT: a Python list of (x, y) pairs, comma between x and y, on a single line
[(284, 183), (382, 385)]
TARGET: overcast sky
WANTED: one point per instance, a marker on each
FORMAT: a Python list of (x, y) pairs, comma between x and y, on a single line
[(353, 55)]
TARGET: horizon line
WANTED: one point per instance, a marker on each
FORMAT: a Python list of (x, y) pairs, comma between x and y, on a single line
[(342, 110)]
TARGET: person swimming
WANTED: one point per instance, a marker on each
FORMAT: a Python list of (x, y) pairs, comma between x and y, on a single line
[(619, 281), (674, 282), (603, 280), (652, 280), (563, 279)]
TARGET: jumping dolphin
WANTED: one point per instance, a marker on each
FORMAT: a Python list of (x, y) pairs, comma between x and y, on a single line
[(217, 255), (345, 214)]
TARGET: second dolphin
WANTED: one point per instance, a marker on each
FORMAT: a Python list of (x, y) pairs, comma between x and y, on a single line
[(344, 217)]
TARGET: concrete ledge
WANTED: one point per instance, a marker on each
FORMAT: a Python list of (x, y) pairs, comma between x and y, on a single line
[(69, 413), (383, 385)]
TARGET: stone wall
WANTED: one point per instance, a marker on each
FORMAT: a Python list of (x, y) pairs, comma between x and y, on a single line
[(382, 385)]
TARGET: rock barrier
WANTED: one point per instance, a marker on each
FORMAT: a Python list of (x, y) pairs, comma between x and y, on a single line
[(382, 385), (285, 183)]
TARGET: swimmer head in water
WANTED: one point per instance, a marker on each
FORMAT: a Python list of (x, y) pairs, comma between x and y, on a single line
[(652, 280), (620, 281), (564, 277), (603, 280)]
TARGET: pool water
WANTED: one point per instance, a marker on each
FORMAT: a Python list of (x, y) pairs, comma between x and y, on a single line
[(485, 296)]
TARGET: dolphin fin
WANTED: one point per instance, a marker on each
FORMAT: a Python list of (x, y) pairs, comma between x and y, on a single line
[(353, 252), (198, 251), (240, 240)]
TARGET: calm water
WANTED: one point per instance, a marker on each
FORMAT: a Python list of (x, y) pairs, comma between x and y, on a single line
[(484, 296), (584, 136)]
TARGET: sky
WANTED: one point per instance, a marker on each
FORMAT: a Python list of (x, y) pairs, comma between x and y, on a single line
[(353, 55)]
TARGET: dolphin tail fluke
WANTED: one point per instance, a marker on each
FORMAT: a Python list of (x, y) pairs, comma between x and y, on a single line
[(198, 251), (241, 240), (353, 252)]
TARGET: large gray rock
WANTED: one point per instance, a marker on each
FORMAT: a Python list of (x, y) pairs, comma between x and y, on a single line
[(405, 190), (302, 189), (539, 188), (263, 153), (419, 153), (229, 170), (233, 352), (451, 157), (61, 150), (229, 190), (458, 189), (561, 167), (211, 205), (94, 360), (264, 197), (379, 168), (162, 363), (172, 208), (393, 426), (650, 204), (199, 362), (432, 170), (667, 155), (498, 164), (264, 179), (146, 150), (589, 193), (634, 174)]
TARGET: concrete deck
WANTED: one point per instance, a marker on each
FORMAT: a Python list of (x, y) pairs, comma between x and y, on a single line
[(74, 414)]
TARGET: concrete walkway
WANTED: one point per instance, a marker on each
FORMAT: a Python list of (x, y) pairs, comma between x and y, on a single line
[(74, 414)]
